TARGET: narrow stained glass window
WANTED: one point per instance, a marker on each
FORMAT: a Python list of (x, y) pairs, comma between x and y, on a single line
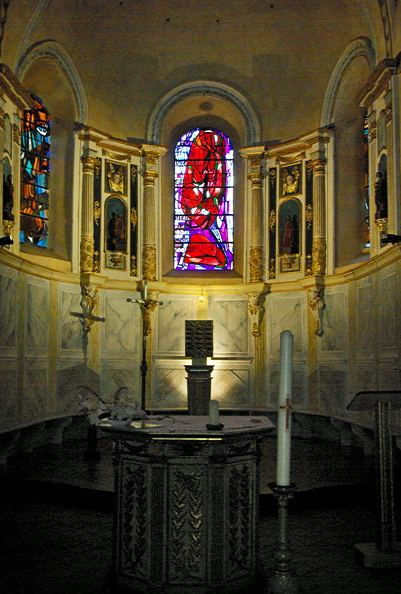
[(203, 209), (35, 156)]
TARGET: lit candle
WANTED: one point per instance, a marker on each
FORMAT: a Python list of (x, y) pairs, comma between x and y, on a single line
[(213, 412), (284, 411), (145, 290)]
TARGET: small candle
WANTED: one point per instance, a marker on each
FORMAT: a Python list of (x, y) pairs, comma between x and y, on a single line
[(284, 411), (213, 412), (145, 290)]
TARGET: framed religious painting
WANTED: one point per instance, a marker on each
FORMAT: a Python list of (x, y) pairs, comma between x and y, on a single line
[(291, 179), (116, 178), (115, 232), (289, 235)]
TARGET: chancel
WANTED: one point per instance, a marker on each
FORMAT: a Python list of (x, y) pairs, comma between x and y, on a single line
[(183, 185)]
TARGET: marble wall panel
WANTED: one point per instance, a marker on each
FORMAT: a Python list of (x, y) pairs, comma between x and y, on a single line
[(70, 330), (169, 387), (121, 332), (9, 395), (333, 387), (231, 387), (365, 377), (37, 316), (34, 404), (115, 375), (388, 312), (365, 318), (171, 316), (8, 310), (286, 311), (335, 323), (71, 375), (299, 386), (231, 336)]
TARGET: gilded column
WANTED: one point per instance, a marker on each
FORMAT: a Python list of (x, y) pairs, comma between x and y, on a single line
[(89, 163), (319, 244), (256, 253), (151, 155), (2, 114)]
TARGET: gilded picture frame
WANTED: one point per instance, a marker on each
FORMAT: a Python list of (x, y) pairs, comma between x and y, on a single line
[(291, 179)]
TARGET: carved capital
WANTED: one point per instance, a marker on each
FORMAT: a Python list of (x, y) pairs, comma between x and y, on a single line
[(319, 256), (149, 177), (89, 164), (256, 264), (149, 262), (319, 166)]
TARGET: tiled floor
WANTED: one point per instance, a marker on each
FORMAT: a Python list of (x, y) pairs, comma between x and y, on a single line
[(56, 521)]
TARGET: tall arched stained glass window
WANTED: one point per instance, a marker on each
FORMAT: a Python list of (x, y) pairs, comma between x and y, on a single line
[(35, 157), (203, 208)]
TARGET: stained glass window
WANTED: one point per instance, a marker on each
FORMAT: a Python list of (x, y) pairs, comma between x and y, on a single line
[(35, 157), (203, 209)]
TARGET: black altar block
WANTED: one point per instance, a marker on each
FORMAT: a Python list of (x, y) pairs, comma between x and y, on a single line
[(187, 504)]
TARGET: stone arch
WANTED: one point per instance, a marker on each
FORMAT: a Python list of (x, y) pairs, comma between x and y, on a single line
[(360, 47), (54, 51), (204, 89)]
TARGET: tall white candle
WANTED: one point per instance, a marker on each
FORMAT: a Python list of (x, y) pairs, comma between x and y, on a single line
[(213, 412), (145, 290), (284, 410)]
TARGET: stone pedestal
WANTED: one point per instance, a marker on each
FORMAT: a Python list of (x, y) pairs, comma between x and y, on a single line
[(199, 382), (187, 505)]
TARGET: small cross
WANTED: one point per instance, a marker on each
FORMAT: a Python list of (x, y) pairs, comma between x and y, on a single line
[(288, 409)]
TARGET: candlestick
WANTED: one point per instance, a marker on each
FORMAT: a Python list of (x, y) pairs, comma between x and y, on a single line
[(284, 410)]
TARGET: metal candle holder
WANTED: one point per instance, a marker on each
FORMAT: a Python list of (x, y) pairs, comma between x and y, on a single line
[(283, 580)]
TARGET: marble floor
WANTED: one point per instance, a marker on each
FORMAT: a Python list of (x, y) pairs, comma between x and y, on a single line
[(56, 520)]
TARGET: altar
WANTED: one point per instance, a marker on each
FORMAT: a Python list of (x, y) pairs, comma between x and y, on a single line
[(186, 504)]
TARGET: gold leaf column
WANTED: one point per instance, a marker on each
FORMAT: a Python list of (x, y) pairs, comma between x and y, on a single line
[(319, 243), (89, 162), (150, 155), (256, 251)]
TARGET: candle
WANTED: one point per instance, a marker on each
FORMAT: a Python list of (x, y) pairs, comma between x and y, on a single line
[(145, 290), (284, 411), (213, 412)]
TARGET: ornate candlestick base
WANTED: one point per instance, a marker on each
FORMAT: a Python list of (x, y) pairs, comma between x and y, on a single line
[(282, 580)]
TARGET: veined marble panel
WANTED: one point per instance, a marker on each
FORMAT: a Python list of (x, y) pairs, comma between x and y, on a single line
[(171, 316), (37, 319), (8, 309), (70, 376), (333, 386), (286, 312), (299, 386), (121, 332), (388, 309), (231, 336), (9, 394), (365, 318), (71, 331), (34, 404), (335, 322), (231, 387), (169, 387), (114, 375)]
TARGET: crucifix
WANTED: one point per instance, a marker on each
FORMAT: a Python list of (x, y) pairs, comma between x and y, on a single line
[(88, 302), (148, 304)]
